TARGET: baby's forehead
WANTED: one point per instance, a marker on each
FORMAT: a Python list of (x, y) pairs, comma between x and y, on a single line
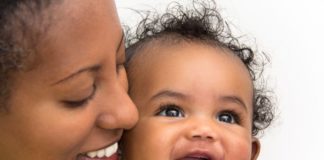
[(148, 52), (152, 53), (152, 45), (165, 46), (193, 69)]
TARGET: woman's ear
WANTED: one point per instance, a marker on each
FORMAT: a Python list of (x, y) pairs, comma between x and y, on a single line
[(255, 148)]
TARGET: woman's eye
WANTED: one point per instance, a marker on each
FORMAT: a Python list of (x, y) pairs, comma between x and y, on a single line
[(81, 102), (228, 117), (170, 111)]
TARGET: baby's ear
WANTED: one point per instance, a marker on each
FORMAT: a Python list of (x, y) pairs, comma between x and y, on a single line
[(255, 148)]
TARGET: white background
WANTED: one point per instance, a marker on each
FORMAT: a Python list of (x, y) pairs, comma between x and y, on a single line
[(292, 33)]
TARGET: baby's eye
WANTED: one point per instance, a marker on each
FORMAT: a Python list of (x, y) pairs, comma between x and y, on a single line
[(228, 117), (170, 110)]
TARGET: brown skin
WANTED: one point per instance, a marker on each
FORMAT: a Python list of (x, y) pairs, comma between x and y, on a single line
[(83, 48), (204, 83)]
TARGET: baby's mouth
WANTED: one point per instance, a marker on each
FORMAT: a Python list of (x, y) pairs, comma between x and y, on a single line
[(200, 155), (196, 157), (108, 153)]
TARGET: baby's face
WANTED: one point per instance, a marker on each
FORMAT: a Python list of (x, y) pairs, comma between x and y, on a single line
[(195, 102)]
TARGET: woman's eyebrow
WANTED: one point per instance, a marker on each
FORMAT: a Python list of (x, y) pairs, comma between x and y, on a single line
[(88, 69), (78, 72)]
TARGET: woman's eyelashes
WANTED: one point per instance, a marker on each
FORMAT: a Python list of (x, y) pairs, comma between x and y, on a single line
[(82, 102), (229, 117), (170, 110)]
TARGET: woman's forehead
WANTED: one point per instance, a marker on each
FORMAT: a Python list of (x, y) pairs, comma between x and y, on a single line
[(71, 42)]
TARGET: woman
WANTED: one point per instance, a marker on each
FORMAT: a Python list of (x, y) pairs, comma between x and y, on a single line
[(63, 83)]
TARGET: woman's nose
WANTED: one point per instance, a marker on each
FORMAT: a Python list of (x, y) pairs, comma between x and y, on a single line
[(118, 112)]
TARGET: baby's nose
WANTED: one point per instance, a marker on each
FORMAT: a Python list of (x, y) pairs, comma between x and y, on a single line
[(203, 130)]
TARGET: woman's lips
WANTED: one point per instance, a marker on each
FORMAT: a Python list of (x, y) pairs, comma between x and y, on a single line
[(108, 153), (112, 157)]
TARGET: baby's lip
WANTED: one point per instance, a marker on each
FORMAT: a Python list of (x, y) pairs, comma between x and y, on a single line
[(200, 153)]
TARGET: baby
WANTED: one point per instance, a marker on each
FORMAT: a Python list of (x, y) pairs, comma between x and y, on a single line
[(196, 90)]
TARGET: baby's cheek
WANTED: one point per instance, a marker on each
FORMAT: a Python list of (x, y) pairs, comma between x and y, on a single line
[(240, 149), (153, 133)]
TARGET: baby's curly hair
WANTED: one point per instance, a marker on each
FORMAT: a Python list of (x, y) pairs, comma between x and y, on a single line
[(204, 24)]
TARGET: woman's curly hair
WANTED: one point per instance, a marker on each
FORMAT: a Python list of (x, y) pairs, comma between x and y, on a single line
[(204, 24), (21, 24)]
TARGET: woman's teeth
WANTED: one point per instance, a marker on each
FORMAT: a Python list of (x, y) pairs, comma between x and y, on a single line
[(106, 152)]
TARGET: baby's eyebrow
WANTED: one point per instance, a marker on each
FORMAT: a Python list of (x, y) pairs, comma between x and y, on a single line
[(168, 93), (234, 99)]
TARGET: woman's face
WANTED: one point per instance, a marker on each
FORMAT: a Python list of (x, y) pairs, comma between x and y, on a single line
[(74, 100), (195, 102)]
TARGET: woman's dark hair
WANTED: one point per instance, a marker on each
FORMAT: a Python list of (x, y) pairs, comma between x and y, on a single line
[(21, 24), (204, 24)]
